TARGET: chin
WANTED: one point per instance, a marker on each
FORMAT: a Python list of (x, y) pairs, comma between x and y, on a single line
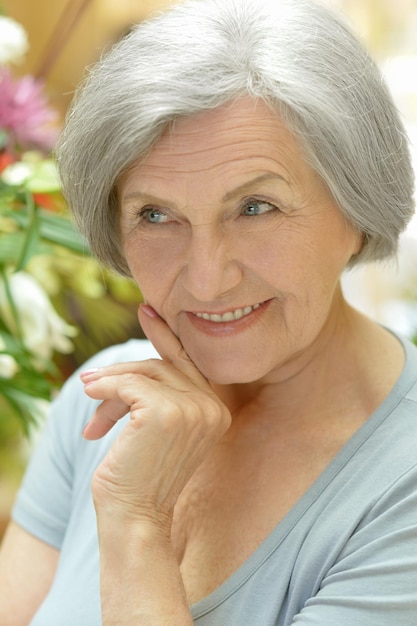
[(229, 372)]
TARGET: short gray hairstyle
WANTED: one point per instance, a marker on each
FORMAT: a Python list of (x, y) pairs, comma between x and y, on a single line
[(296, 55)]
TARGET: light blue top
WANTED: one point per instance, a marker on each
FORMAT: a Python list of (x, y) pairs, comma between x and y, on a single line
[(345, 555)]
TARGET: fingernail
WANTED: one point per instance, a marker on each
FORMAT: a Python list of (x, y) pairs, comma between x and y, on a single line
[(149, 311), (87, 373)]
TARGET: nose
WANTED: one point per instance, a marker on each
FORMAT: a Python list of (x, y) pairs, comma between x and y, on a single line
[(211, 269)]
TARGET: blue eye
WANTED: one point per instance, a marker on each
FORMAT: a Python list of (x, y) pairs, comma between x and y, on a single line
[(257, 207), (153, 216)]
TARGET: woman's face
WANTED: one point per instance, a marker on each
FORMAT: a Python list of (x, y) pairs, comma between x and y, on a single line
[(236, 242)]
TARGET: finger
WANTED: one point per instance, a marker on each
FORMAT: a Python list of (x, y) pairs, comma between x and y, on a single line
[(108, 413), (159, 370), (116, 401), (120, 393), (166, 342)]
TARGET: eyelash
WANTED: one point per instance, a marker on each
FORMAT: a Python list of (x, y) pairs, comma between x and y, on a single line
[(251, 201), (145, 211)]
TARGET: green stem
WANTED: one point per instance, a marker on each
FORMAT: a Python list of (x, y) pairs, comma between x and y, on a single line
[(32, 233), (11, 303)]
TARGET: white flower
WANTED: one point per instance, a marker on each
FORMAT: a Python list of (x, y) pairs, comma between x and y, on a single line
[(13, 40), (43, 329), (16, 173), (8, 365), (40, 175)]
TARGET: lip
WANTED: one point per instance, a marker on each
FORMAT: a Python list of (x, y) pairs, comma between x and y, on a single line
[(230, 326)]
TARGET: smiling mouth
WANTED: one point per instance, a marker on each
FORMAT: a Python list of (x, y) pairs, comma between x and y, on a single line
[(230, 316)]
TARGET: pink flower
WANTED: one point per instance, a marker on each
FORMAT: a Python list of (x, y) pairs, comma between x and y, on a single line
[(24, 112)]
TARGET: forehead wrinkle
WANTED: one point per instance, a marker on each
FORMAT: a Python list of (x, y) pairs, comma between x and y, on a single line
[(224, 118), (226, 197), (159, 169), (230, 142), (217, 130), (207, 139), (219, 149), (217, 139)]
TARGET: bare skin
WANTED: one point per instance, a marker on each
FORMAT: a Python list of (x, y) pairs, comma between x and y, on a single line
[(27, 568), (225, 219)]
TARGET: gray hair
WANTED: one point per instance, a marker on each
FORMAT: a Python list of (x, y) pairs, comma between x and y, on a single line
[(296, 55)]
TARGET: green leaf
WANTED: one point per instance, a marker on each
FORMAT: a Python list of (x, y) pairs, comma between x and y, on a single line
[(12, 344), (24, 406), (11, 303), (10, 245), (52, 228), (61, 231), (31, 242)]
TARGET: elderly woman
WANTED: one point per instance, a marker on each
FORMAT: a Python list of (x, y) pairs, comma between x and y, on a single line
[(234, 157)]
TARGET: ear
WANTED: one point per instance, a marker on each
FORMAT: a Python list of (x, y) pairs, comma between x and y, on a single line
[(360, 241)]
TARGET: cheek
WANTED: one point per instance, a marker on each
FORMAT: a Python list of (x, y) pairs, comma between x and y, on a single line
[(154, 265), (267, 252), (327, 250), (305, 270)]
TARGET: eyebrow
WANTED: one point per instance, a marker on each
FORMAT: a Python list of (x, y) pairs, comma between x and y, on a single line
[(135, 195), (251, 183)]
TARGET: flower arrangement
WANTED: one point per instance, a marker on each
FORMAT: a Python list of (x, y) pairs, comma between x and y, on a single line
[(44, 263), (32, 222)]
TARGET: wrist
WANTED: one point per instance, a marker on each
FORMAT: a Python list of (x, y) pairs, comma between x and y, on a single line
[(140, 575), (147, 530), (115, 511)]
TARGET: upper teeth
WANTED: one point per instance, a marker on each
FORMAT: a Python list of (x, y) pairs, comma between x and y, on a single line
[(230, 316)]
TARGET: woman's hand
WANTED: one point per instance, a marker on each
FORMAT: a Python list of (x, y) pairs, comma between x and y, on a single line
[(175, 419)]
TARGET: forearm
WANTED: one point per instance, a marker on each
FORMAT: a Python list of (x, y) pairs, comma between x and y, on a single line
[(141, 584)]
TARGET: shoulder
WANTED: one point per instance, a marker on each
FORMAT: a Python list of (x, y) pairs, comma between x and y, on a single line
[(404, 395), (391, 433)]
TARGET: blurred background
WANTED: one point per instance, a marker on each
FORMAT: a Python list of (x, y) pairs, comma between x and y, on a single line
[(57, 305)]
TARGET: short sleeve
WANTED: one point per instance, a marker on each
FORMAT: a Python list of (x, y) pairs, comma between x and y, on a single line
[(44, 500)]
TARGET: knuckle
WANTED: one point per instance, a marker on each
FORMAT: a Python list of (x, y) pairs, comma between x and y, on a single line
[(172, 413), (211, 412), (214, 408)]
